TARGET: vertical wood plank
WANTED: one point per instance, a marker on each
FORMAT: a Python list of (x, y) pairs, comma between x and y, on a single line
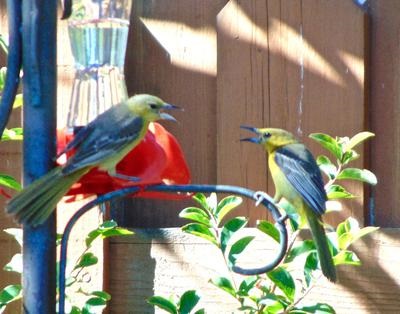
[(172, 53), (242, 94), (385, 114)]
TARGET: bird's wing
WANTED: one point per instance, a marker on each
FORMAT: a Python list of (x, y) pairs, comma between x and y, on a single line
[(102, 144), (79, 137), (302, 171)]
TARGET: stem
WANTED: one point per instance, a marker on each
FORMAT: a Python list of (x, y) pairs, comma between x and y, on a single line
[(290, 307)]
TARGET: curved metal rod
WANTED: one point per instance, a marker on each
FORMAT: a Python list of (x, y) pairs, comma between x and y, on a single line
[(14, 61), (266, 201)]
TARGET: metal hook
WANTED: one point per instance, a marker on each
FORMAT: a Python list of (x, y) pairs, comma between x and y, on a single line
[(266, 201)]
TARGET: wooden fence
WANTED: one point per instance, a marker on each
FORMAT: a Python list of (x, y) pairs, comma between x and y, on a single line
[(298, 65)]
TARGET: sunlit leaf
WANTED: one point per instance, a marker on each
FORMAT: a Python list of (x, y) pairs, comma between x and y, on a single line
[(269, 229), (319, 308), (188, 301), (224, 284), (300, 248), (363, 175), (328, 143), (196, 214), (14, 134), (326, 166), (15, 264), (10, 294), (88, 259), (163, 303), (226, 205), (237, 248), (229, 229), (358, 139), (346, 258), (212, 202), (18, 101), (17, 233), (201, 199), (284, 281), (272, 303), (201, 231), (336, 191), (102, 294), (247, 284), (10, 182)]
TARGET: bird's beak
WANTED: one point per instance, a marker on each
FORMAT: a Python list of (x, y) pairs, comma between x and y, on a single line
[(256, 139), (166, 116)]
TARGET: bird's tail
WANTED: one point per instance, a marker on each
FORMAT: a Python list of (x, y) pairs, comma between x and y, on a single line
[(321, 242), (35, 203)]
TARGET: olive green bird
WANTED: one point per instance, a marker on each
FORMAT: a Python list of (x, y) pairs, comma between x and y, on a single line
[(101, 144), (297, 178)]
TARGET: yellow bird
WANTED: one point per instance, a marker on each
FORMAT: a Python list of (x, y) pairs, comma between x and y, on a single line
[(297, 178), (102, 144)]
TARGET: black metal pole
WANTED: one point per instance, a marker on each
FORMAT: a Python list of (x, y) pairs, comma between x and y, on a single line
[(39, 26)]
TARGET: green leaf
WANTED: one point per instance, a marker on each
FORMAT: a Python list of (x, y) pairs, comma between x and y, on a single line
[(15, 264), (284, 281), (116, 232), (196, 214), (336, 191), (75, 310), (246, 285), (310, 266), (272, 304), (346, 258), (226, 205), (200, 311), (14, 134), (237, 248), (319, 308), (201, 199), (201, 231), (18, 101), (101, 294), (349, 231), (17, 233), (108, 224), (10, 182), (363, 175), (10, 294), (87, 259), (95, 301), (188, 301), (326, 166), (229, 230), (269, 229), (358, 139), (300, 248), (224, 284), (212, 202), (328, 143), (3, 44), (91, 236), (163, 303)]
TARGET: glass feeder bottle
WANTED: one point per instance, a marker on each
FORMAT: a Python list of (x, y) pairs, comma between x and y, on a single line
[(98, 32)]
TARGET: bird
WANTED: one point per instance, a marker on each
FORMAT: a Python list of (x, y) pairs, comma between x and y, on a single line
[(297, 179), (100, 144)]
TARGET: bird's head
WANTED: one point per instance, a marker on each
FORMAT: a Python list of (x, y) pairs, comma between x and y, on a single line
[(150, 108), (270, 138)]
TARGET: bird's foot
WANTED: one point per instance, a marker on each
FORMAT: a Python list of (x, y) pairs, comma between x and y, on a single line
[(259, 196)]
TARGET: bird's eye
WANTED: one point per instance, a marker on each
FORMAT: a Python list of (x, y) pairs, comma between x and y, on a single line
[(266, 135), (153, 106)]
